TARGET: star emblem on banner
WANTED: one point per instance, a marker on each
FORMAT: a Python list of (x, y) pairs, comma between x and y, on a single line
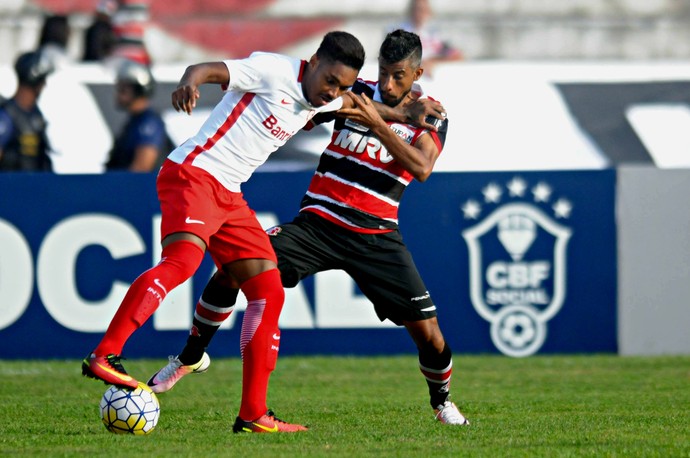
[(517, 188)]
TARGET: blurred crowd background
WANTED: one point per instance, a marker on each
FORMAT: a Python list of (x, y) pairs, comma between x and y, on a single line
[(191, 30), (86, 43)]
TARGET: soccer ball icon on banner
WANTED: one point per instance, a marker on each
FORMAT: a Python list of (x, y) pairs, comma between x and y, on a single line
[(125, 411)]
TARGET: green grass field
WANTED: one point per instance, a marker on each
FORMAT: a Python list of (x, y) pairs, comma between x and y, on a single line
[(540, 406)]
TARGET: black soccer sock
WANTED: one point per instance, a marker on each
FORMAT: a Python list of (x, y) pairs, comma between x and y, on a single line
[(215, 306), (437, 369)]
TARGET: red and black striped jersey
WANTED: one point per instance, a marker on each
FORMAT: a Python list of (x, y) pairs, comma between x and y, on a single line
[(358, 184)]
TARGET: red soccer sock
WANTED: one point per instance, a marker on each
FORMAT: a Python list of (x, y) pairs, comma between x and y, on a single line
[(259, 340), (179, 261)]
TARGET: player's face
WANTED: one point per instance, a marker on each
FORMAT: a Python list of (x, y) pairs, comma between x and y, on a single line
[(124, 95), (395, 80), (326, 81), (38, 87)]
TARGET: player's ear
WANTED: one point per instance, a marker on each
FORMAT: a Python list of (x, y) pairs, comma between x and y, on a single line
[(418, 73)]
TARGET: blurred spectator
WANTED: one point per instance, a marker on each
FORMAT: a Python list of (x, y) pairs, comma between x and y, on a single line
[(129, 23), (143, 142), (435, 48), (53, 40), (23, 141), (99, 37)]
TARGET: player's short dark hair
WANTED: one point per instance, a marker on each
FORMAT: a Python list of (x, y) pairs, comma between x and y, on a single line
[(342, 47), (401, 45)]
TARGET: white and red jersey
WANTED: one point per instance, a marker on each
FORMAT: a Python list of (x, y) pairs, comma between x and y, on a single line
[(263, 107), (358, 184)]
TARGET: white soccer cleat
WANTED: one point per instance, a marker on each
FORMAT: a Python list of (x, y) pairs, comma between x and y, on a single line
[(448, 414), (166, 378)]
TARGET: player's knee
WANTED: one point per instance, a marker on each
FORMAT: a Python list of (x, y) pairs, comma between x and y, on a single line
[(178, 262), (276, 291), (266, 285), (288, 276), (219, 292), (289, 279)]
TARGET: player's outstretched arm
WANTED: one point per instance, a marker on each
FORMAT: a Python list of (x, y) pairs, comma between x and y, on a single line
[(416, 112), (420, 111), (186, 94)]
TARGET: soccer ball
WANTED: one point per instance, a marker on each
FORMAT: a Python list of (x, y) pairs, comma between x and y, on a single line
[(125, 411)]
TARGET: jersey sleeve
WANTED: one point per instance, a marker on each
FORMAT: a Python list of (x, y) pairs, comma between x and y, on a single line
[(251, 74), (327, 114), (364, 87), (439, 137), (333, 105)]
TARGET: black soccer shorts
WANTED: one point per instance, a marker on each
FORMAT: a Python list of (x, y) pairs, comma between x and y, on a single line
[(380, 264)]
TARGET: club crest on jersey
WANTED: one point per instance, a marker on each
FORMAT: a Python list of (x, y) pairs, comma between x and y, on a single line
[(517, 261), (275, 230)]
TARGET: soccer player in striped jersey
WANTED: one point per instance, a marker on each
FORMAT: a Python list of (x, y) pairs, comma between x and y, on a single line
[(349, 220), (268, 98)]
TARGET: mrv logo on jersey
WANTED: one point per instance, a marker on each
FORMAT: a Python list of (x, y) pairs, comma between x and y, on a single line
[(517, 260)]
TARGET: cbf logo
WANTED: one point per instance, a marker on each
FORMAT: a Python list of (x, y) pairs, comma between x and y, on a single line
[(517, 256)]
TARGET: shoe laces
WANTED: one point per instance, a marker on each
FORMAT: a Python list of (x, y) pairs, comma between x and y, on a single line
[(114, 362), (449, 412), (271, 414), (171, 368)]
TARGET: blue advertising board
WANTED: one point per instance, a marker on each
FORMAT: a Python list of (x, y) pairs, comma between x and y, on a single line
[(517, 263)]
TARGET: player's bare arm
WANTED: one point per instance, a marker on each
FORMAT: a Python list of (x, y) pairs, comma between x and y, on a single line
[(186, 94), (419, 160), (415, 111)]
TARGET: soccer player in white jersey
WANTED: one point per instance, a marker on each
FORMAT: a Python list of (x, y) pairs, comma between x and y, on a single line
[(349, 220), (268, 98)]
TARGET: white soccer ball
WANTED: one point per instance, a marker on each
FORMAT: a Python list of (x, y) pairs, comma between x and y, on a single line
[(126, 411)]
